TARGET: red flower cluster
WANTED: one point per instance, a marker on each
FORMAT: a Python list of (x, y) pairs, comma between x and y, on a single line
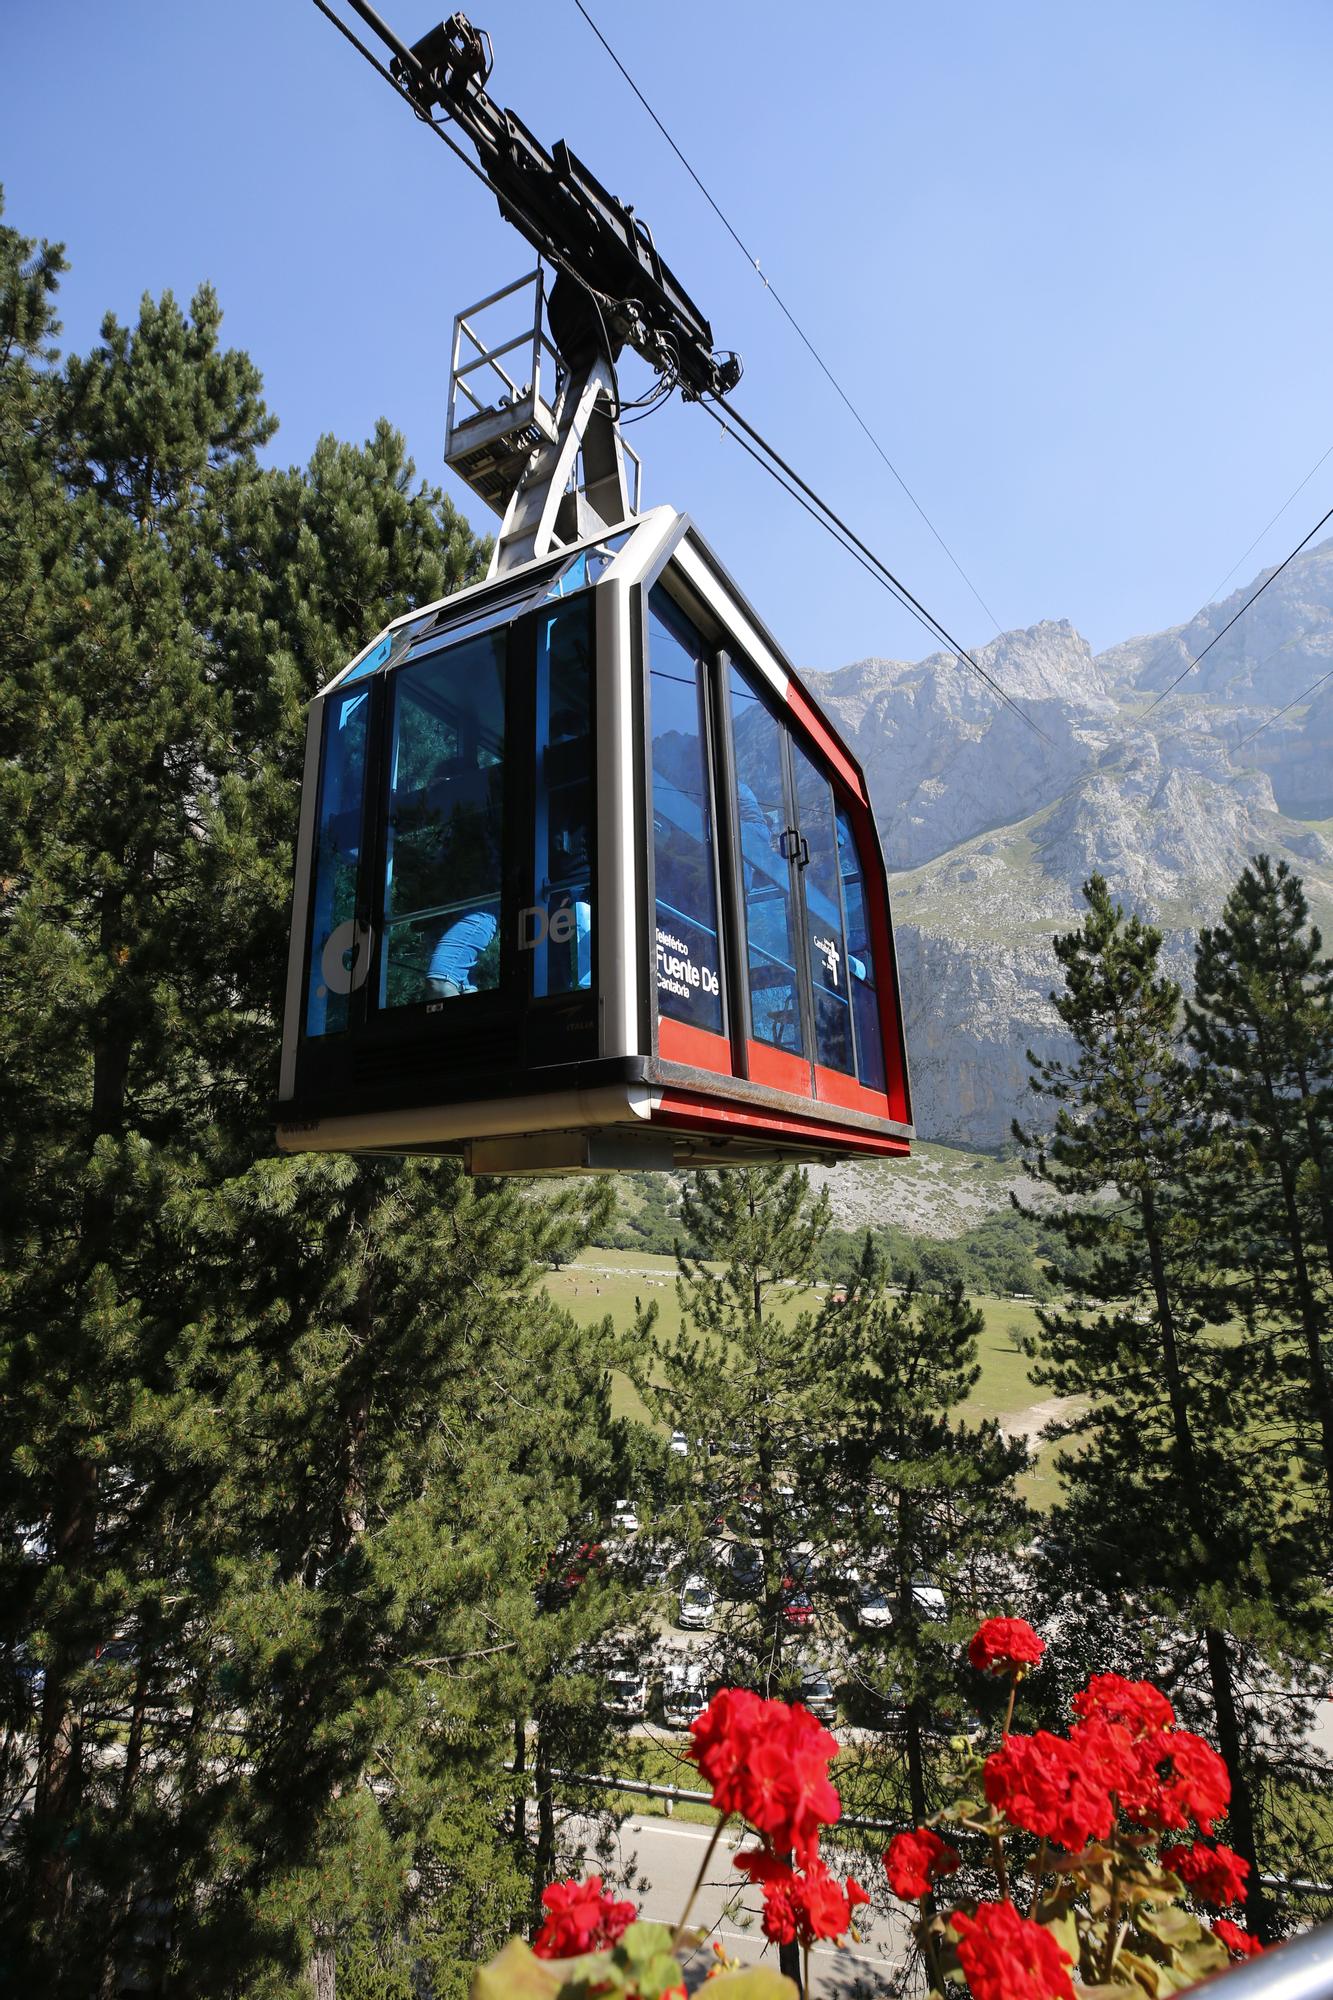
[(1049, 1787), (1005, 1646), (1237, 1941), (768, 1761), (1215, 1874), (1193, 1783), (1137, 1706), (916, 1861), (1124, 1751), (800, 1907), (1007, 1958), (580, 1918)]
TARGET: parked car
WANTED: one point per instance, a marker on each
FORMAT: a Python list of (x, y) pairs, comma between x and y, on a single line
[(929, 1599), (624, 1518), (745, 1568), (797, 1608), (817, 1693), (680, 1444), (874, 1613), (684, 1693), (626, 1690), (698, 1605)]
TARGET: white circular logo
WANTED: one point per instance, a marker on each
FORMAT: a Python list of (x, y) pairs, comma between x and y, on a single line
[(345, 960)]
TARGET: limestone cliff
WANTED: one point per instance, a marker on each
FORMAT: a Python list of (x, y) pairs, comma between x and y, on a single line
[(989, 830)]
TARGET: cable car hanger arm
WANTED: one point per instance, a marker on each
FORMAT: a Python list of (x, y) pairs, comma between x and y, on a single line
[(613, 289)]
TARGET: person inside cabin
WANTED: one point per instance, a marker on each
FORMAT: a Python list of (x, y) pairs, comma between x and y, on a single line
[(454, 963)]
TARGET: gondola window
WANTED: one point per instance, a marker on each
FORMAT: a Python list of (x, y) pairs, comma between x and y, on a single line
[(688, 964), (442, 881)]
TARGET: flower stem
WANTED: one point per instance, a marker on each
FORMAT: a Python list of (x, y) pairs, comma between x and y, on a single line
[(1013, 1696), (1114, 1938), (1001, 1872), (805, 1972), (677, 1934), (1039, 1869)]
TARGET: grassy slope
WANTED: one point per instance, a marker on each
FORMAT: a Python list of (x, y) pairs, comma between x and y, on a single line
[(611, 1282)]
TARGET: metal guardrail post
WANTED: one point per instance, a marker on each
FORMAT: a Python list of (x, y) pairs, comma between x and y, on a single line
[(1300, 1969)]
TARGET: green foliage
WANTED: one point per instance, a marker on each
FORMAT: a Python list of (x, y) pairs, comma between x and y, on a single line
[(1261, 1026), (287, 1444), (926, 1502), (1179, 1497)]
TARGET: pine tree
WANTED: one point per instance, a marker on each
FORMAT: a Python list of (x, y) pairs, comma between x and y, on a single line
[(287, 1443), (742, 1385), (1177, 1496), (924, 1499), (115, 728), (1261, 1025), (31, 520)]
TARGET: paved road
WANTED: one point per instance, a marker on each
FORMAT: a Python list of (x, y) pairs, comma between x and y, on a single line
[(667, 1857)]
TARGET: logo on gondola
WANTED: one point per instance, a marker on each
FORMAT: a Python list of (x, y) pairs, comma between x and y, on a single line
[(677, 973), (831, 956), (534, 926)]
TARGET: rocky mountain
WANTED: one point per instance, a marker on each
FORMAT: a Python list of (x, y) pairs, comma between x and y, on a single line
[(989, 829)]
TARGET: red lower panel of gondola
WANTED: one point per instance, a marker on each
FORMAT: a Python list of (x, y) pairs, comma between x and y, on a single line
[(686, 1112)]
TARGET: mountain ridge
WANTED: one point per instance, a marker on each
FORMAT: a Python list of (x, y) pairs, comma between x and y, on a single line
[(989, 830)]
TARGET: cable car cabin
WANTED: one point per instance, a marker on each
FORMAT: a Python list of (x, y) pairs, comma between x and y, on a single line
[(585, 880)]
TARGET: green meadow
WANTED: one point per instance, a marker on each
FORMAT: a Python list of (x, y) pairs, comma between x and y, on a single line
[(621, 1283)]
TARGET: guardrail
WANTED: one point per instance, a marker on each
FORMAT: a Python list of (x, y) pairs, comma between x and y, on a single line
[(1291, 1885), (1300, 1969)]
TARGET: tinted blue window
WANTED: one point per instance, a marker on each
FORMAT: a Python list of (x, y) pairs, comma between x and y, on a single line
[(339, 951), (557, 927), (860, 962), (689, 986), (821, 888), (762, 818), (445, 824)]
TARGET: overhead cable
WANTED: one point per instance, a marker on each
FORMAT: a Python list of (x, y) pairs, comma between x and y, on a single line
[(1312, 689), (791, 482), (1254, 594), (368, 13), (787, 312), (1273, 523), (770, 459), (1221, 584)]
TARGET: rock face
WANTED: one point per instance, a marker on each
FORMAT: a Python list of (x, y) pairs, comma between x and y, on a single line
[(989, 830)]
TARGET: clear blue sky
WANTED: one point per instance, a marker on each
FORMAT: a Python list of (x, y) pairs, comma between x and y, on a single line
[(1072, 261)]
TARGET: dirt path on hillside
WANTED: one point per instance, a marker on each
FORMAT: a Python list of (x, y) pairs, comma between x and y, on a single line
[(1031, 1422)]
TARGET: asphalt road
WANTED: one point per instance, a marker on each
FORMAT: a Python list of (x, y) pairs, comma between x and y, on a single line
[(663, 1860)]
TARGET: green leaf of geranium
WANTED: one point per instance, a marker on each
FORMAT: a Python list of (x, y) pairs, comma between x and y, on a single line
[(1171, 1925), (752, 1982), (645, 1961), (516, 1973)]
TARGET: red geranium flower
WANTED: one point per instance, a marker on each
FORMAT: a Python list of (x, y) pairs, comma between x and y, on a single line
[(1237, 1941), (1137, 1706), (915, 1862), (1215, 1874), (1043, 1784), (1190, 1782), (1005, 1646), (579, 1918), (768, 1761), (1007, 1958), (800, 1907)]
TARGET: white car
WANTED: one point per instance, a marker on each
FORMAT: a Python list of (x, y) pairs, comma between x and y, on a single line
[(680, 1444), (698, 1606), (626, 1690), (817, 1693), (624, 1518), (684, 1694), (874, 1613), (929, 1600)]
